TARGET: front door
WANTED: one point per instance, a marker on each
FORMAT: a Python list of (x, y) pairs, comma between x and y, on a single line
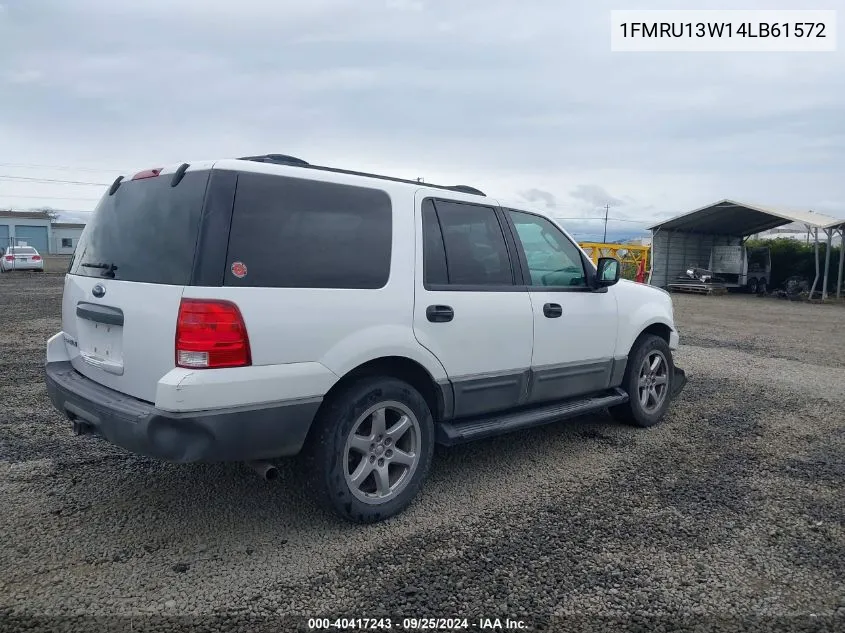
[(469, 310), (575, 327)]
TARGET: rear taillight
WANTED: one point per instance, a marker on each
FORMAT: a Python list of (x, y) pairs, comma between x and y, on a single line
[(10, 258), (36, 258), (211, 333)]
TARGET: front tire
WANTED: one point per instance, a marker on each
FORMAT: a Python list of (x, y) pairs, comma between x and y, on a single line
[(372, 449), (648, 382)]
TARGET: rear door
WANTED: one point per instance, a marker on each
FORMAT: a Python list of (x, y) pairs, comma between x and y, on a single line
[(468, 309), (122, 293)]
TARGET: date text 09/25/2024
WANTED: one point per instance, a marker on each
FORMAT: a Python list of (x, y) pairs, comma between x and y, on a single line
[(417, 624)]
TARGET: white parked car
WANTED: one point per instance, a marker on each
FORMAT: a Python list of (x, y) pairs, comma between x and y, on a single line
[(250, 309), (21, 258)]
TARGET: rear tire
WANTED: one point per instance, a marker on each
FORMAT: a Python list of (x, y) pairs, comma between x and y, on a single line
[(752, 285), (371, 449), (648, 382)]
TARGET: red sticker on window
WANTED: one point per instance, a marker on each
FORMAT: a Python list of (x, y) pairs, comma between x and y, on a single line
[(239, 270)]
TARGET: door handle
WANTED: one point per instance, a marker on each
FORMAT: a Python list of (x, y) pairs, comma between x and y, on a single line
[(552, 310), (439, 314)]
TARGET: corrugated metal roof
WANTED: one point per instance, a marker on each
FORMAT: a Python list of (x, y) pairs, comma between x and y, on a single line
[(25, 215), (729, 217)]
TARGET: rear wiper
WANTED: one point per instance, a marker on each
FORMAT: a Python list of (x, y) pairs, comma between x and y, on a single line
[(108, 269), (106, 266)]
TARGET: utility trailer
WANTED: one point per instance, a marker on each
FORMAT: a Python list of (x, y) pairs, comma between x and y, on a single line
[(736, 266), (732, 266), (715, 236)]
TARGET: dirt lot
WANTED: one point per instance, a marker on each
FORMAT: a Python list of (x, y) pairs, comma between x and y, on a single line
[(731, 513)]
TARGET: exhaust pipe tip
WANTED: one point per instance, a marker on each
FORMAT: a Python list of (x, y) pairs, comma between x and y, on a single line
[(265, 470)]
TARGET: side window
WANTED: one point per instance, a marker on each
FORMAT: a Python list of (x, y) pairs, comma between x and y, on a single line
[(552, 259), (434, 253), (473, 242), (295, 233)]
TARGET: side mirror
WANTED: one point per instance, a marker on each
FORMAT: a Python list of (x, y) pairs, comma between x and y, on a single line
[(608, 272)]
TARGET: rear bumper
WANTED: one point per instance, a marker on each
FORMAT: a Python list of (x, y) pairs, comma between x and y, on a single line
[(11, 267), (240, 434)]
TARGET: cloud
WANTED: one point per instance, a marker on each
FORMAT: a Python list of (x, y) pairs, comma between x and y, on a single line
[(405, 5), (596, 196), (23, 76), (538, 195), (524, 102)]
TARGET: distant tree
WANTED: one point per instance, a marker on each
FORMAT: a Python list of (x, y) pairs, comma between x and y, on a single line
[(794, 257), (53, 215), (49, 212)]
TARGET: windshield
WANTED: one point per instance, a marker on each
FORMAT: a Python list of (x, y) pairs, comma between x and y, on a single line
[(146, 231)]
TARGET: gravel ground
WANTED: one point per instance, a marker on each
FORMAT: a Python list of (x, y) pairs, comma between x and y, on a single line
[(730, 515)]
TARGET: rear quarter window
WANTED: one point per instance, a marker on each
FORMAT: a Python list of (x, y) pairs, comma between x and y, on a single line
[(296, 233)]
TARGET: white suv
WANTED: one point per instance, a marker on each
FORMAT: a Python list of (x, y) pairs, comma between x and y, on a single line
[(244, 310)]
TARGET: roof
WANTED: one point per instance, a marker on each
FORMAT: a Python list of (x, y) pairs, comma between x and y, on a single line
[(460, 193), (284, 159), (25, 215), (68, 225), (729, 217)]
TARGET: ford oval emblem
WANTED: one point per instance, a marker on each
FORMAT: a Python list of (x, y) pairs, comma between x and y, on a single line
[(98, 291)]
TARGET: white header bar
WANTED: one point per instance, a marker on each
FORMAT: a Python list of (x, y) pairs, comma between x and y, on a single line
[(725, 31)]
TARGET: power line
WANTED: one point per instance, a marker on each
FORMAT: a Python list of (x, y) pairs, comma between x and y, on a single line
[(61, 167), (611, 219), (52, 180), (5, 195)]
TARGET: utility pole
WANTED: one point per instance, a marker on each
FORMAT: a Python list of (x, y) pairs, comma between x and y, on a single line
[(606, 212)]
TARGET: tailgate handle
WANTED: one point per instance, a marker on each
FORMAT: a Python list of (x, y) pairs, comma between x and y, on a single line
[(99, 314)]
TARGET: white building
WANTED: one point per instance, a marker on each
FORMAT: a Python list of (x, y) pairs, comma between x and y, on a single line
[(35, 229), (65, 235)]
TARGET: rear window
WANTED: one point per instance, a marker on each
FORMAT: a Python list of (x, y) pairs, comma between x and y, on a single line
[(18, 250), (295, 233), (146, 231)]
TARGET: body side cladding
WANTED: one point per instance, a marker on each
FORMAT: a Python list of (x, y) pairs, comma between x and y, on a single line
[(502, 391)]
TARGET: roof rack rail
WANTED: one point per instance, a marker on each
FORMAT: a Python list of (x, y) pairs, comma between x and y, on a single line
[(284, 159), (350, 172), (278, 159), (467, 189)]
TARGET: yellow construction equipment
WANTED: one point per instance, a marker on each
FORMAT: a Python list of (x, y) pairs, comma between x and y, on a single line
[(632, 256)]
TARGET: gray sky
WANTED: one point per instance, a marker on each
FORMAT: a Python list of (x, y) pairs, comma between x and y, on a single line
[(521, 99)]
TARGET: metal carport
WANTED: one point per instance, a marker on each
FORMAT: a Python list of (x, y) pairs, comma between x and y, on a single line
[(830, 230), (686, 240)]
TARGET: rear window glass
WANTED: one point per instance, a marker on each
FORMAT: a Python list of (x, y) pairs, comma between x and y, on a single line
[(295, 233), (146, 231), (18, 250)]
